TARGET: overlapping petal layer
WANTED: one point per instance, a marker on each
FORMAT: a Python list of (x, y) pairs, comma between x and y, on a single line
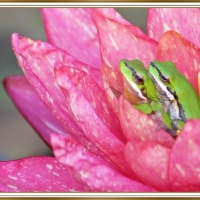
[(39, 69), (174, 47), (32, 108), (121, 40), (184, 21), (86, 87), (91, 170), (92, 113), (184, 170), (113, 85), (37, 60), (149, 160), (137, 125), (37, 174)]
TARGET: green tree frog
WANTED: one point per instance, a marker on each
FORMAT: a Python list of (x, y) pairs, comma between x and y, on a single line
[(175, 88), (140, 91)]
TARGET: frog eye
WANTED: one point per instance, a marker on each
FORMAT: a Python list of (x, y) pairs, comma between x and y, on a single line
[(137, 78), (164, 78)]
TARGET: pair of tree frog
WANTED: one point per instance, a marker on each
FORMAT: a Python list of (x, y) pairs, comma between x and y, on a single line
[(162, 92)]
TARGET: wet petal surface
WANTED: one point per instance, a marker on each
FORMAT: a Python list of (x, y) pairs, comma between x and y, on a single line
[(91, 171), (37, 174), (73, 30), (149, 161), (38, 60), (184, 160), (183, 21), (87, 114), (121, 40)]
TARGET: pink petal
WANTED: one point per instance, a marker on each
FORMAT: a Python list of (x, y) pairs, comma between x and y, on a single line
[(182, 20), (112, 79), (184, 159), (112, 14), (45, 56), (38, 60), (184, 54), (92, 113), (31, 107), (149, 161), (37, 174), (137, 125), (120, 40), (73, 30), (91, 170), (94, 96)]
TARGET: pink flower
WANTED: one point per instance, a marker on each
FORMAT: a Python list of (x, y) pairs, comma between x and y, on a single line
[(101, 143)]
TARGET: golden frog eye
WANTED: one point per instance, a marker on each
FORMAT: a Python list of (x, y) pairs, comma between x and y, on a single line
[(137, 78), (164, 78)]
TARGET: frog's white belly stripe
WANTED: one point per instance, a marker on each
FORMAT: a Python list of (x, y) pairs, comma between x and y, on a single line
[(164, 89), (174, 110), (134, 86)]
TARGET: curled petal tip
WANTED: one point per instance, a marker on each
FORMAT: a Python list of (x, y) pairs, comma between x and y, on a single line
[(14, 41)]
